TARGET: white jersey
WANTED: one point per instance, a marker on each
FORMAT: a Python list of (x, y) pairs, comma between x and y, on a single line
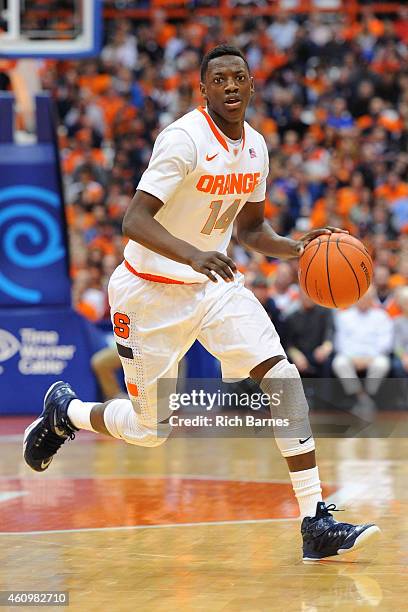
[(204, 179)]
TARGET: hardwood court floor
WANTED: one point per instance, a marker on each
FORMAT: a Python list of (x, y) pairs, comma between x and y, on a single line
[(198, 524)]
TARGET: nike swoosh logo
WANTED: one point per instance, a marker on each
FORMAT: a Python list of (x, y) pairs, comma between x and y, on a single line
[(45, 464), (58, 431), (208, 158), (303, 441)]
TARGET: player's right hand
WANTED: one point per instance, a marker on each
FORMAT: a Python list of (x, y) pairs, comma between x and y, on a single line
[(211, 263)]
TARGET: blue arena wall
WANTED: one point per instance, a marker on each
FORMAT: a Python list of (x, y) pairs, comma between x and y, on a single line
[(33, 254), (41, 338)]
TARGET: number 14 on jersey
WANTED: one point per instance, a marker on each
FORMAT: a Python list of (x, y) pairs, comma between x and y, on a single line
[(214, 222)]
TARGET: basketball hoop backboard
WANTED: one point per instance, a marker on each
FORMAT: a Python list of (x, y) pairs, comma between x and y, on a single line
[(50, 28)]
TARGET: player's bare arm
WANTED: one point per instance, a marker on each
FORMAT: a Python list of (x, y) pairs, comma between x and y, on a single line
[(255, 234), (140, 225)]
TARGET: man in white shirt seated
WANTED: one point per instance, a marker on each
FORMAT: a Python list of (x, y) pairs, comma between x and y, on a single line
[(363, 341)]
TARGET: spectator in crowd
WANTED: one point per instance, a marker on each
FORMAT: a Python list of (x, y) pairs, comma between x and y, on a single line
[(400, 362), (260, 289), (381, 283), (89, 296), (106, 366), (363, 342), (284, 290), (283, 31), (309, 337), (122, 48)]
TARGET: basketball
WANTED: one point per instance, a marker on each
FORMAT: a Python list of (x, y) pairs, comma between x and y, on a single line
[(335, 270)]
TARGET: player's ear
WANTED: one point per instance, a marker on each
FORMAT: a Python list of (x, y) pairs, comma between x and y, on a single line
[(203, 90), (252, 86)]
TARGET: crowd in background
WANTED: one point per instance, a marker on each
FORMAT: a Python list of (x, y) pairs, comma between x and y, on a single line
[(331, 99)]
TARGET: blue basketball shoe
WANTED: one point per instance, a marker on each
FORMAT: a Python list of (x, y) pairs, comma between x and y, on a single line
[(45, 435), (323, 536)]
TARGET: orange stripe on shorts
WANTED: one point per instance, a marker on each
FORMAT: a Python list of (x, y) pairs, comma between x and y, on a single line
[(154, 278)]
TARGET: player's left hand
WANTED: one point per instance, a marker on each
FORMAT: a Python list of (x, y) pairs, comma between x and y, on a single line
[(304, 240)]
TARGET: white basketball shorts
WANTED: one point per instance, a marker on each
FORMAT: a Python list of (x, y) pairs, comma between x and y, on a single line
[(156, 323)]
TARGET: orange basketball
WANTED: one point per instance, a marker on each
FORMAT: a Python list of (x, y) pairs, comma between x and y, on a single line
[(335, 270)]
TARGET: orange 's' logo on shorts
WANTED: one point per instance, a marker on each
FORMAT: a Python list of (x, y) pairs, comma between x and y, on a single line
[(121, 325)]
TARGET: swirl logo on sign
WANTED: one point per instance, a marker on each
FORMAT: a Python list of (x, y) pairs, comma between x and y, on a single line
[(9, 345), (25, 218)]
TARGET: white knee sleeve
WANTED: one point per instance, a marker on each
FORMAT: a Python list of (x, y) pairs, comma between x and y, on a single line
[(122, 422), (283, 382)]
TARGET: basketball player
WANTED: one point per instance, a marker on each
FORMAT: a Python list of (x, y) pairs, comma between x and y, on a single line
[(177, 285)]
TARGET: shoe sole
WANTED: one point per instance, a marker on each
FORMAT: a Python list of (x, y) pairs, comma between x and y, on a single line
[(362, 539), (34, 424), (360, 542)]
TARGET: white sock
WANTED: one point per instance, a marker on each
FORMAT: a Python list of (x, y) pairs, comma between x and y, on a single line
[(306, 486), (79, 413)]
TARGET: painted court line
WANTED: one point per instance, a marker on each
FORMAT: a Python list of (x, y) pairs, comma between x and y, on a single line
[(345, 494), (8, 495), (37, 478), (137, 527)]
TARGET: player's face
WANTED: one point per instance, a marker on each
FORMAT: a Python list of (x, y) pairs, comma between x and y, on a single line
[(228, 87)]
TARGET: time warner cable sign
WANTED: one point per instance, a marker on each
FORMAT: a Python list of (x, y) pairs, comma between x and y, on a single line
[(39, 345), (38, 351), (33, 268)]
